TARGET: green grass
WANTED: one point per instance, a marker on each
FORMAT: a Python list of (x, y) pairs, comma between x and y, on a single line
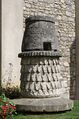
[(74, 114)]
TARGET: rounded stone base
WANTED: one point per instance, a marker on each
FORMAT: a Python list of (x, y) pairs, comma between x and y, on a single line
[(43, 104)]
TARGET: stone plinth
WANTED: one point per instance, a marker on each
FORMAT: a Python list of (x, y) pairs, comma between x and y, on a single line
[(43, 104)]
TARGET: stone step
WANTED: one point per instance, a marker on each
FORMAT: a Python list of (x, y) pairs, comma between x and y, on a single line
[(43, 104)]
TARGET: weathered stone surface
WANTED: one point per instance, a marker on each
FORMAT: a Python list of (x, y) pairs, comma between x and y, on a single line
[(65, 27), (41, 79), (43, 104), (77, 49), (40, 41), (40, 35), (40, 53)]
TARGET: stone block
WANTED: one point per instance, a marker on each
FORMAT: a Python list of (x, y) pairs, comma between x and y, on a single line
[(43, 104)]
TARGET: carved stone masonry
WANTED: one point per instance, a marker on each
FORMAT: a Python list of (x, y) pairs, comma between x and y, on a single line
[(41, 78), (42, 85), (40, 72)]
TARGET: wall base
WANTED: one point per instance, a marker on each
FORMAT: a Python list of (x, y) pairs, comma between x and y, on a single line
[(43, 104)]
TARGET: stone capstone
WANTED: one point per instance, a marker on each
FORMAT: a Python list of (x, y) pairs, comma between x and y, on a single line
[(40, 34)]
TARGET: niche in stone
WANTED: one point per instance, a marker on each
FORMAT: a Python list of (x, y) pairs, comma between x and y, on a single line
[(47, 46)]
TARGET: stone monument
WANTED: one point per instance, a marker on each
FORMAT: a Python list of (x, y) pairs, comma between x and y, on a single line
[(41, 82)]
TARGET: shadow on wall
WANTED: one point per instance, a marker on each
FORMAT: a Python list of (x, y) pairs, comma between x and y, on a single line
[(73, 70)]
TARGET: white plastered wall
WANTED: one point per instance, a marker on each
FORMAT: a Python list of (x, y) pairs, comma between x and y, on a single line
[(12, 33)]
